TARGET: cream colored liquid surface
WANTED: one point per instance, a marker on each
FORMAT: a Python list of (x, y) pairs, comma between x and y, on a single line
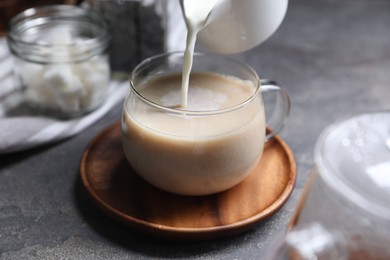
[(194, 155)]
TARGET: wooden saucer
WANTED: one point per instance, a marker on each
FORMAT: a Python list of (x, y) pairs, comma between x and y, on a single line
[(115, 187)]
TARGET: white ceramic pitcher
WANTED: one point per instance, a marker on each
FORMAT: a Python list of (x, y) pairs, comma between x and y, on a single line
[(235, 26)]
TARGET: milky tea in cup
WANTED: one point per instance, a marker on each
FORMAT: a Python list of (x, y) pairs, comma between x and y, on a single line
[(210, 145)]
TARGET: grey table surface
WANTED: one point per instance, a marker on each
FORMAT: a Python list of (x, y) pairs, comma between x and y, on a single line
[(333, 57)]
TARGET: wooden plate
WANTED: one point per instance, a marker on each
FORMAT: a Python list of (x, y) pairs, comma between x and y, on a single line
[(115, 187)]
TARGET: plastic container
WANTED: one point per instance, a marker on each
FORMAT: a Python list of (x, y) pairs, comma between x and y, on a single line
[(344, 212)]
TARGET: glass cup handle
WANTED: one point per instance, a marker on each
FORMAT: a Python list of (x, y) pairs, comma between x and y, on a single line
[(277, 112)]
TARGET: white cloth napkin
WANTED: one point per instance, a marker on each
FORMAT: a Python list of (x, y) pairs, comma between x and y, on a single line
[(22, 132)]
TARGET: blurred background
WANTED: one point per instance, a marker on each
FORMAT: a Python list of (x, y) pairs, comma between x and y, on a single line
[(9, 8)]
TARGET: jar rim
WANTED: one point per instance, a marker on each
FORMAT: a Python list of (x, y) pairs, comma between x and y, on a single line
[(57, 15)]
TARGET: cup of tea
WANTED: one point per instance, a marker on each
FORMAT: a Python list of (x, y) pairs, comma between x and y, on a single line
[(344, 212), (214, 142)]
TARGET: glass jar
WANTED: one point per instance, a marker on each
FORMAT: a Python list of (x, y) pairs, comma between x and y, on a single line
[(61, 59)]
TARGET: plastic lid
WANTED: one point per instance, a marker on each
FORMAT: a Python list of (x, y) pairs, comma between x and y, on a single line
[(353, 157)]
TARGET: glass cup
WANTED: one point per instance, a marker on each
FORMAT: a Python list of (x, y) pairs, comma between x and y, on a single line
[(344, 212), (203, 148)]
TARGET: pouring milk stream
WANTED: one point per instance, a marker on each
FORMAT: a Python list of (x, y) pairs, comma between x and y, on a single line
[(227, 26), (195, 15)]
